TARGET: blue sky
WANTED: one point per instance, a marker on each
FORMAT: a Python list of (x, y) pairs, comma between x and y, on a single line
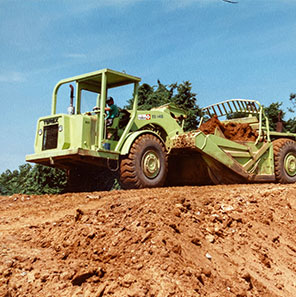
[(246, 50)]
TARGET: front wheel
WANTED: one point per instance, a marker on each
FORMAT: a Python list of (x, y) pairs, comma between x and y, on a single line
[(285, 160), (146, 165)]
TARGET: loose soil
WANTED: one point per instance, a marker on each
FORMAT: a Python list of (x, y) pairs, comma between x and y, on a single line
[(232, 130), (216, 241)]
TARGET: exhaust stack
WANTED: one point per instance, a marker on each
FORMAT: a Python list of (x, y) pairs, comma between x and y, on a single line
[(71, 108)]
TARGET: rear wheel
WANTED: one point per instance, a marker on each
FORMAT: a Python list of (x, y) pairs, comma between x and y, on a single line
[(146, 164), (285, 160)]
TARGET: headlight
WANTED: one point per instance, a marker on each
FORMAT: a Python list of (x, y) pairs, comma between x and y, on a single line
[(60, 128), (40, 132)]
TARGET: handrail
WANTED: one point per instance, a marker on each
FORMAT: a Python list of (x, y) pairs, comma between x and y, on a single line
[(226, 107)]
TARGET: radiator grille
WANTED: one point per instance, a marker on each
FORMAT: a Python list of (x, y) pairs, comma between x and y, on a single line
[(50, 137)]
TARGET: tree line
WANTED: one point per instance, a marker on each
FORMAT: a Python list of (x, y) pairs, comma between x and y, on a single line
[(39, 179), (28, 179)]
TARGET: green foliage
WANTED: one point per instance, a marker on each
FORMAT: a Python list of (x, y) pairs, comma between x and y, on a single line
[(290, 125), (7, 182), (273, 112), (179, 94), (293, 99), (32, 180), (185, 99)]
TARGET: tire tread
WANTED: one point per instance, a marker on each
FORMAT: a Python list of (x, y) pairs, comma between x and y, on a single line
[(279, 145), (128, 171)]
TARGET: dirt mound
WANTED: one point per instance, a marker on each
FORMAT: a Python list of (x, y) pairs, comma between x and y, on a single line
[(236, 240), (233, 131)]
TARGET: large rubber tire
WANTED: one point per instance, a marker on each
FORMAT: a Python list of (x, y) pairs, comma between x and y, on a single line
[(285, 160), (146, 165)]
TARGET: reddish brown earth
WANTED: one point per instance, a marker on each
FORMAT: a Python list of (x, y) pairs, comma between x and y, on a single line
[(232, 131), (217, 241)]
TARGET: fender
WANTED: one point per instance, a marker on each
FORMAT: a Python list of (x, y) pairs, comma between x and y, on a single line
[(132, 137)]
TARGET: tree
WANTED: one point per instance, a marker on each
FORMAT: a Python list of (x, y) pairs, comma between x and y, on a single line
[(179, 94), (44, 180), (275, 109), (273, 112), (290, 125), (293, 99), (9, 182), (185, 99), (32, 180)]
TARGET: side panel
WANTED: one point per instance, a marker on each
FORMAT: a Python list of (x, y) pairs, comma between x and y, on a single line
[(160, 118), (245, 159)]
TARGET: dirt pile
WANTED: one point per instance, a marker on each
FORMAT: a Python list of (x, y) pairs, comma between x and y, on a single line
[(233, 131), (216, 241), (185, 140)]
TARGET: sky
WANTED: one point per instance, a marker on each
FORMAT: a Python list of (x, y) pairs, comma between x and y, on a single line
[(244, 50)]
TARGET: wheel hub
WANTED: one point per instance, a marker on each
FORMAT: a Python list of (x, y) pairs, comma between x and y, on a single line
[(150, 164), (290, 164)]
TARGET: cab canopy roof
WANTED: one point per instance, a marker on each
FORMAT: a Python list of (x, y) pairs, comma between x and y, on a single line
[(92, 81)]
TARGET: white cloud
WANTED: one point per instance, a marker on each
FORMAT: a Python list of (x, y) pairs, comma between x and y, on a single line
[(13, 77)]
